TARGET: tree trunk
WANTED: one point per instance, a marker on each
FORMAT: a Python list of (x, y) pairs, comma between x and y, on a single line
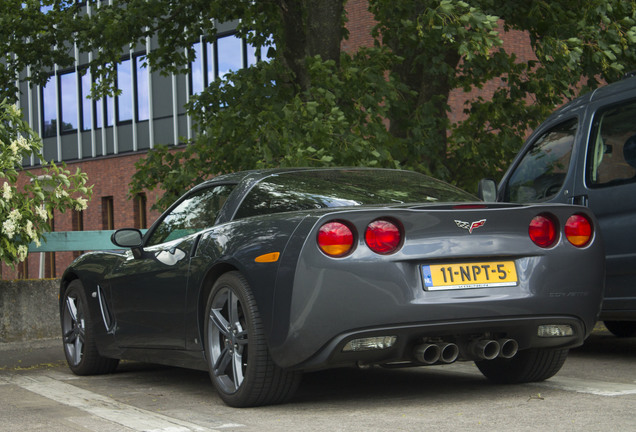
[(310, 28)]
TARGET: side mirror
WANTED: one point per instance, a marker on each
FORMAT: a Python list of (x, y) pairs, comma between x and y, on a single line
[(129, 238), (487, 190)]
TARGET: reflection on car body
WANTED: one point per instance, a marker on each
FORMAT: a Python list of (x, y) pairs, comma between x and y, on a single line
[(261, 275)]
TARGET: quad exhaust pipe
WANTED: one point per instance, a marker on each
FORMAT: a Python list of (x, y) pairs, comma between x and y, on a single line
[(480, 349)]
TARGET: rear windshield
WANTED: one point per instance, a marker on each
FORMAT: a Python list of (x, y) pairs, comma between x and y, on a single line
[(306, 190)]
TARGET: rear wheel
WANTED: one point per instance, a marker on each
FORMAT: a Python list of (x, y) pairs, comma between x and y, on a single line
[(621, 328), (239, 362), (529, 365), (78, 337)]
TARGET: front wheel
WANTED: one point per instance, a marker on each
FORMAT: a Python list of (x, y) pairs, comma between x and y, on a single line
[(531, 365), (77, 333), (239, 362)]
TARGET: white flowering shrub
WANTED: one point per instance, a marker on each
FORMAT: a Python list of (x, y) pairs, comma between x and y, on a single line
[(25, 212)]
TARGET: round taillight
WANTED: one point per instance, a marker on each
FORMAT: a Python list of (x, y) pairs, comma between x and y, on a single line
[(578, 230), (335, 239), (383, 236), (543, 231)]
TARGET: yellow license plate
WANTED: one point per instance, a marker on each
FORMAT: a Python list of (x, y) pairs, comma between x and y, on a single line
[(469, 275)]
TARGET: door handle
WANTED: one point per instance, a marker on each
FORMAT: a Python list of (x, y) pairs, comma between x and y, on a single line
[(579, 200)]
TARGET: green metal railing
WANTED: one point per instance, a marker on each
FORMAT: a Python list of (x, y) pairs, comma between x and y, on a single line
[(66, 241)]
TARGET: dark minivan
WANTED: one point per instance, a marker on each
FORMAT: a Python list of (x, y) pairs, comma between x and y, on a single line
[(585, 154)]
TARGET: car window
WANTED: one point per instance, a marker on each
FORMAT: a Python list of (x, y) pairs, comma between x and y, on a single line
[(612, 149), (541, 173), (195, 213), (305, 190)]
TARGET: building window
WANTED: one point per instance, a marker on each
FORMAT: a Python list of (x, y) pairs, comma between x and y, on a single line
[(132, 102), (143, 100), (86, 102), (139, 211), (99, 113), (197, 75), (110, 111), (49, 108), (215, 60), (68, 95), (250, 55), (23, 269), (108, 213), (229, 55), (125, 98)]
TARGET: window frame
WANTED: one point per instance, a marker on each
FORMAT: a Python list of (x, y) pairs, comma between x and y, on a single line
[(576, 124), (595, 128)]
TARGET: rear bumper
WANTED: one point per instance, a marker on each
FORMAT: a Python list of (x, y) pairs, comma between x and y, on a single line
[(522, 330)]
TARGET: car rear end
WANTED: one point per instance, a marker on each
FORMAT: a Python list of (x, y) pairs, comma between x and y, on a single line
[(438, 283)]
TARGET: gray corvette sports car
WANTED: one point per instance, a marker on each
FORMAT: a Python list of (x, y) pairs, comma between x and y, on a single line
[(258, 276)]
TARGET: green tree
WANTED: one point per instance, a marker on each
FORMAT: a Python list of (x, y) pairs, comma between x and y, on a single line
[(448, 45), (311, 104), (26, 212)]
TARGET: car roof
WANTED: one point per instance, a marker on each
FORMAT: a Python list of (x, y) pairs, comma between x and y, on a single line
[(254, 176), (615, 90)]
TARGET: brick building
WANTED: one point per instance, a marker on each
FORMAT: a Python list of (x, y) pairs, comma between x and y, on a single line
[(105, 138)]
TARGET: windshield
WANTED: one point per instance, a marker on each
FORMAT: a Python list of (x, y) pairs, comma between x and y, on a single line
[(305, 190)]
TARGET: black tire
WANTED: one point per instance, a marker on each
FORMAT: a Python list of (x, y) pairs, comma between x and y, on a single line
[(78, 337), (239, 362), (529, 365), (621, 329)]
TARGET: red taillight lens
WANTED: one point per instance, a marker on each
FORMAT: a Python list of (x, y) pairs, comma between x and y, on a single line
[(543, 231), (383, 236), (335, 239), (578, 230)]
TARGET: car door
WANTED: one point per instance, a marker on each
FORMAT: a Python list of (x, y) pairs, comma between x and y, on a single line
[(608, 187), (543, 171), (149, 289)]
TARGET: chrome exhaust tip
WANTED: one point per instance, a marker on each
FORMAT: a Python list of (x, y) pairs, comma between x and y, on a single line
[(448, 352), (427, 353), (508, 348), (484, 349)]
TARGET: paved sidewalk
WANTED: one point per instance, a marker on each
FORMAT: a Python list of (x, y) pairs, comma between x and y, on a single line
[(31, 354)]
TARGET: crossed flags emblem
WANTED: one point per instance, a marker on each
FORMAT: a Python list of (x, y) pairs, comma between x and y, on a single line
[(470, 226)]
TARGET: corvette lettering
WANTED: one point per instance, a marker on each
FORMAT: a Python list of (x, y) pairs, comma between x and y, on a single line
[(470, 226)]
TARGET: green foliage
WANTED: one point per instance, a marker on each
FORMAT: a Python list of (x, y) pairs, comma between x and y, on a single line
[(26, 212), (257, 118), (452, 46), (385, 106)]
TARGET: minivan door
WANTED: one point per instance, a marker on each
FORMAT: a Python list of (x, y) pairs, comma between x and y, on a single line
[(608, 187)]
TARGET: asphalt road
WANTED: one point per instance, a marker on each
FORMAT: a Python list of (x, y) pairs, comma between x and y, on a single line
[(595, 391)]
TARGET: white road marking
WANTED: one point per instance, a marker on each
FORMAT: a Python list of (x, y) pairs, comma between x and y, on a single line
[(104, 407), (599, 388), (557, 382)]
